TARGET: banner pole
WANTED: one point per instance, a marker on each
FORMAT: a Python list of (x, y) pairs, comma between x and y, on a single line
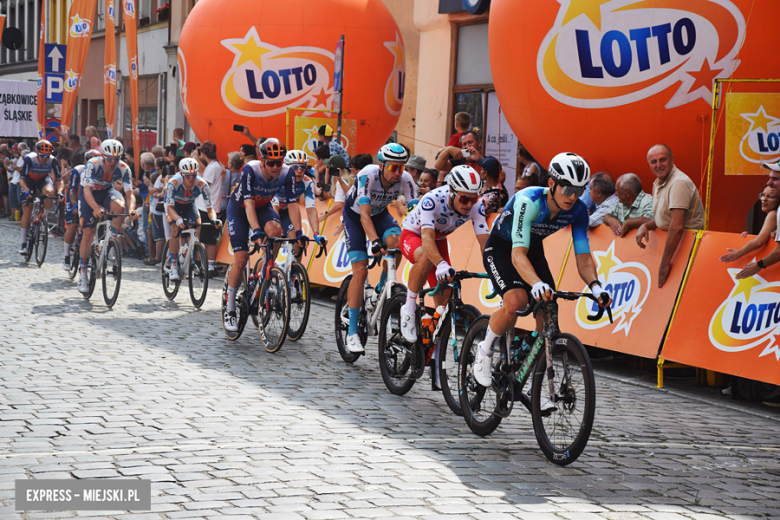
[(710, 161)]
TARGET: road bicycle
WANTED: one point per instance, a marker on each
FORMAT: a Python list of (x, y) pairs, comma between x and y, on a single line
[(370, 309), (38, 232), (437, 345), (74, 255), (563, 428), (193, 265), (105, 260)]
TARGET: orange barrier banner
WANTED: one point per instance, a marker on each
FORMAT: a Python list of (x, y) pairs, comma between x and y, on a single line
[(724, 324), (109, 71), (79, 35), (131, 31), (640, 309), (41, 71)]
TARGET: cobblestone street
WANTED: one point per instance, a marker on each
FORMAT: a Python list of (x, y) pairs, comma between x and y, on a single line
[(152, 389)]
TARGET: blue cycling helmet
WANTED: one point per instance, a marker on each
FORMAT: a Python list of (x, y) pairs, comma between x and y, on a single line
[(392, 152)]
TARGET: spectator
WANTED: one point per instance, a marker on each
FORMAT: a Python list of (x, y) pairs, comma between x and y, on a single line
[(248, 134), (634, 207), (93, 137), (188, 148), (247, 153), (769, 202), (494, 194), (326, 136), (321, 153), (462, 124), (178, 142), (428, 179), (75, 145), (525, 180), (415, 166), (144, 229), (156, 210), (528, 166), (213, 174), (774, 174), (602, 193), (468, 153), (676, 206), (13, 163), (158, 151), (232, 178)]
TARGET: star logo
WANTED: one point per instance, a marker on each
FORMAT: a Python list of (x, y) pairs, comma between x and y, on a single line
[(590, 8), (743, 286), (321, 99), (606, 262), (760, 120), (247, 49), (396, 47)]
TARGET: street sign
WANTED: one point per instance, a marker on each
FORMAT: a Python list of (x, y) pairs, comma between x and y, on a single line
[(339, 66), (55, 85), (55, 58)]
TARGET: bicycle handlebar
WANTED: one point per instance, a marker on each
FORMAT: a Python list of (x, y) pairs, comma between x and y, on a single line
[(267, 241), (459, 275), (376, 258), (565, 295)]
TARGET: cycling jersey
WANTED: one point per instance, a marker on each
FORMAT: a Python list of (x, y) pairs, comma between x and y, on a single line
[(254, 186), (176, 193), (95, 176), (73, 185), (304, 187), (525, 221), (368, 190), (434, 212), (35, 171)]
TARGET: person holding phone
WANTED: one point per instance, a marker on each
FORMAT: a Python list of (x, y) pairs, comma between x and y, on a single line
[(469, 153)]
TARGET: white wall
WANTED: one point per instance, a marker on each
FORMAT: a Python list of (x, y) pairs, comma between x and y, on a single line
[(152, 58)]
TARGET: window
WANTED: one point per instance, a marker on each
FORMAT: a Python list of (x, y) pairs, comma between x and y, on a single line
[(100, 16)]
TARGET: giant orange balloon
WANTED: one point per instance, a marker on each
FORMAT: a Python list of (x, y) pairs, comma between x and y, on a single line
[(609, 78), (246, 61)]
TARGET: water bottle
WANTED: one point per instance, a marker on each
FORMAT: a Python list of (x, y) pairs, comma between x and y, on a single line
[(436, 317), (370, 297), (528, 344), (183, 250), (426, 329)]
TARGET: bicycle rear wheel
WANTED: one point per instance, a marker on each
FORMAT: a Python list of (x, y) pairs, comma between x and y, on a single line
[(74, 259), (563, 434), (92, 272), (300, 301), (41, 243), (199, 275), (170, 287), (449, 351), (274, 310), (342, 324), (241, 306), (395, 353), (31, 241), (112, 273), (478, 403)]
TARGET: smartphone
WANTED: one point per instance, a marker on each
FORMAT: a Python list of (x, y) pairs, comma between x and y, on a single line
[(466, 153), (238, 128), (334, 172), (49, 129)]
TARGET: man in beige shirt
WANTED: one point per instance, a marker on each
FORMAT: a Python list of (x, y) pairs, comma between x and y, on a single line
[(676, 206)]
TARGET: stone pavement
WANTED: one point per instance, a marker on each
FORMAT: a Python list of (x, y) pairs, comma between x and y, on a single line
[(152, 389)]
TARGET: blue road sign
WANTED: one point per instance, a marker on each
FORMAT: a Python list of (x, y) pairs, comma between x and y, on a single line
[(55, 85), (55, 58)]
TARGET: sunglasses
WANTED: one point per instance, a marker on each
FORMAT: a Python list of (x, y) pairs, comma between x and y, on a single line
[(392, 168), (298, 167), (762, 196), (568, 191), (463, 199), (273, 164), (189, 175), (111, 159)]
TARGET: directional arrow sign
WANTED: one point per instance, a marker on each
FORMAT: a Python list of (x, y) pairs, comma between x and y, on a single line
[(55, 58)]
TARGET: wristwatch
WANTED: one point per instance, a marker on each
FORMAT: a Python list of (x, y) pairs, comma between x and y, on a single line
[(760, 264)]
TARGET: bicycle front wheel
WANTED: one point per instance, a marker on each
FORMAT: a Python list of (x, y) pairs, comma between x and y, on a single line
[(300, 301), (170, 287), (112, 273), (448, 354), (478, 403), (74, 260), (199, 275), (273, 311), (32, 239), (563, 433), (41, 243), (395, 353), (92, 272), (259, 268)]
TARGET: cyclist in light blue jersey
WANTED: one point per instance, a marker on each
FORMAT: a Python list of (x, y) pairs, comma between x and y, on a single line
[(514, 256)]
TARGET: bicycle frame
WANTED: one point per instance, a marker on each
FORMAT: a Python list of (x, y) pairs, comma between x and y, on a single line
[(106, 223), (192, 240), (385, 295)]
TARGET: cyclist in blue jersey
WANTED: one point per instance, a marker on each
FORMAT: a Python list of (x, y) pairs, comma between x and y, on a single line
[(180, 194), (71, 198), (366, 217), (36, 178), (249, 208), (514, 255), (98, 195)]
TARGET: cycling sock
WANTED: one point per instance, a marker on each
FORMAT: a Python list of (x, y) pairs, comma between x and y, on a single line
[(231, 299), (83, 267), (487, 346), (211, 265), (66, 252), (114, 231), (24, 235), (353, 321), (411, 301), (381, 283)]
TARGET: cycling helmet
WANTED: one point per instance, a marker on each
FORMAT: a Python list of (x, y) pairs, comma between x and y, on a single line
[(393, 152), (188, 165), (569, 169), (112, 148), (295, 157), (464, 179), (273, 149), (44, 147), (91, 154)]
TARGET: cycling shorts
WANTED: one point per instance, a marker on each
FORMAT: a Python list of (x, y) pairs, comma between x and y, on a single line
[(36, 187), (104, 198), (238, 224), (287, 224), (71, 213), (411, 241), (497, 259), (185, 211), (355, 237)]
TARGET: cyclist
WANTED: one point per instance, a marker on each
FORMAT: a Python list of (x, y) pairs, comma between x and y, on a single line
[(36, 179), (72, 199), (98, 195), (297, 161), (514, 255), (180, 194), (424, 237), (249, 208), (366, 216)]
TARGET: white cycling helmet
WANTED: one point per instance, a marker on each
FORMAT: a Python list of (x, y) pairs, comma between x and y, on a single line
[(112, 148), (464, 179), (569, 169), (188, 165), (296, 157)]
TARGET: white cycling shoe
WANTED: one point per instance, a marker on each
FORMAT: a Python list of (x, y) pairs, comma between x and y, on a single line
[(23, 249), (230, 321), (83, 285), (175, 274), (354, 344), (546, 406), (66, 263), (408, 329), (483, 368)]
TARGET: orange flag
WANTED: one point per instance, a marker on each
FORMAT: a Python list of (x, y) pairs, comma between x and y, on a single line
[(41, 73), (109, 71), (79, 36), (131, 31)]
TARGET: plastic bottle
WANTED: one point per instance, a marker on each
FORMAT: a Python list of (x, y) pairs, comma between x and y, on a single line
[(436, 317), (526, 344), (426, 328)]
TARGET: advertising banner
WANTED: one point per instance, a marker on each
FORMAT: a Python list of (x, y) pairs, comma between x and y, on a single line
[(752, 132), (725, 324), (80, 25), (306, 134), (41, 72), (109, 71), (500, 141), (18, 109), (131, 31), (641, 310)]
